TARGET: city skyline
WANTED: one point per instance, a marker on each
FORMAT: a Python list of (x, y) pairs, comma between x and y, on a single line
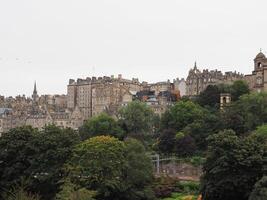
[(150, 40)]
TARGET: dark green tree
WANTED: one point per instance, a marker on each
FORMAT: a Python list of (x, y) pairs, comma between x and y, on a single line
[(166, 141), (97, 164), (37, 156), (184, 145), (210, 97), (232, 167), (102, 124), (138, 174), (247, 113), (54, 147), (17, 154), (136, 119), (181, 114), (260, 190), (238, 89)]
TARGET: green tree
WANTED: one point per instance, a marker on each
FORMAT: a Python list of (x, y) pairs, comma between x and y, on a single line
[(232, 167), (138, 174), (210, 97), (70, 191), (166, 141), (102, 124), (260, 190), (136, 119), (16, 155), (184, 145), (181, 114), (53, 147), (238, 89), (38, 156), (97, 164), (247, 113)]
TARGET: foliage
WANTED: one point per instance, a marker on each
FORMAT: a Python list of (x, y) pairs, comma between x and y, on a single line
[(138, 174), (164, 186), (181, 114), (232, 167), (70, 191), (97, 164), (136, 119), (53, 147), (166, 141), (38, 156), (210, 97), (102, 124), (19, 192), (247, 113), (188, 187), (181, 196), (260, 190), (16, 155), (238, 89), (185, 146), (262, 131)]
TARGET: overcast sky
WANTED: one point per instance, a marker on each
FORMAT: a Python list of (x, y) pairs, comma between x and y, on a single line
[(51, 41)]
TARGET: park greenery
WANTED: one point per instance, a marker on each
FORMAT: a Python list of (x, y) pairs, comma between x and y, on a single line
[(109, 157)]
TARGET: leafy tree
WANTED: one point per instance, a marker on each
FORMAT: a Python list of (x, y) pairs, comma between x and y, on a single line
[(138, 174), (210, 97), (38, 156), (97, 164), (102, 124), (232, 167), (184, 145), (20, 194), (181, 114), (260, 190), (200, 129), (136, 119), (16, 155), (70, 191), (166, 141), (247, 113), (238, 89), (53, 147)]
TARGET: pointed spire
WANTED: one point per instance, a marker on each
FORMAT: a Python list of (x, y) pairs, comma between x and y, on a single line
[(35, 90), (195, 64)]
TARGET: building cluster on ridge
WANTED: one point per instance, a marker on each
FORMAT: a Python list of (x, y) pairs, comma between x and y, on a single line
[(89, 97)]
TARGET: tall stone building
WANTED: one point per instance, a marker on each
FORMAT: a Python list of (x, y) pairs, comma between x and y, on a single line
[(197, 80), (95, 95), (257, 81)]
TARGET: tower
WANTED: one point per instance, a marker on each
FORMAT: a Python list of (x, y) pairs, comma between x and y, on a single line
[(225, 98), (34, 94)]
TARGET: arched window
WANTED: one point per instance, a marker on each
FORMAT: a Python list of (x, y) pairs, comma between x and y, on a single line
[(259, 65), (224, 100)]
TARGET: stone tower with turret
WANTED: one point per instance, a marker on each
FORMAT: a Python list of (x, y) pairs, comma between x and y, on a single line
[(258, 79)]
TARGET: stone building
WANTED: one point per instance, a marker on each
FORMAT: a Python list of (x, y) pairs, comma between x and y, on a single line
[(180, 85), (95, 95), (197, 80), (257, 81)]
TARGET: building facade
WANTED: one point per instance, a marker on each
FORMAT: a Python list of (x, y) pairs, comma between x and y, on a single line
[(257, 80), (197, 81)]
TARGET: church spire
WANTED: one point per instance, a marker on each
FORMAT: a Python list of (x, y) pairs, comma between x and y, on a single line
[(34, 94), (34, 89)]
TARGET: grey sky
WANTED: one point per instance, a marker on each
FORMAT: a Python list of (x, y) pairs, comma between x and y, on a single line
[(51, 41)]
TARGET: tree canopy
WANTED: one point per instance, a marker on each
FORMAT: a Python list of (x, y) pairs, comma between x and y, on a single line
[(233, 166), (102, 124)]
